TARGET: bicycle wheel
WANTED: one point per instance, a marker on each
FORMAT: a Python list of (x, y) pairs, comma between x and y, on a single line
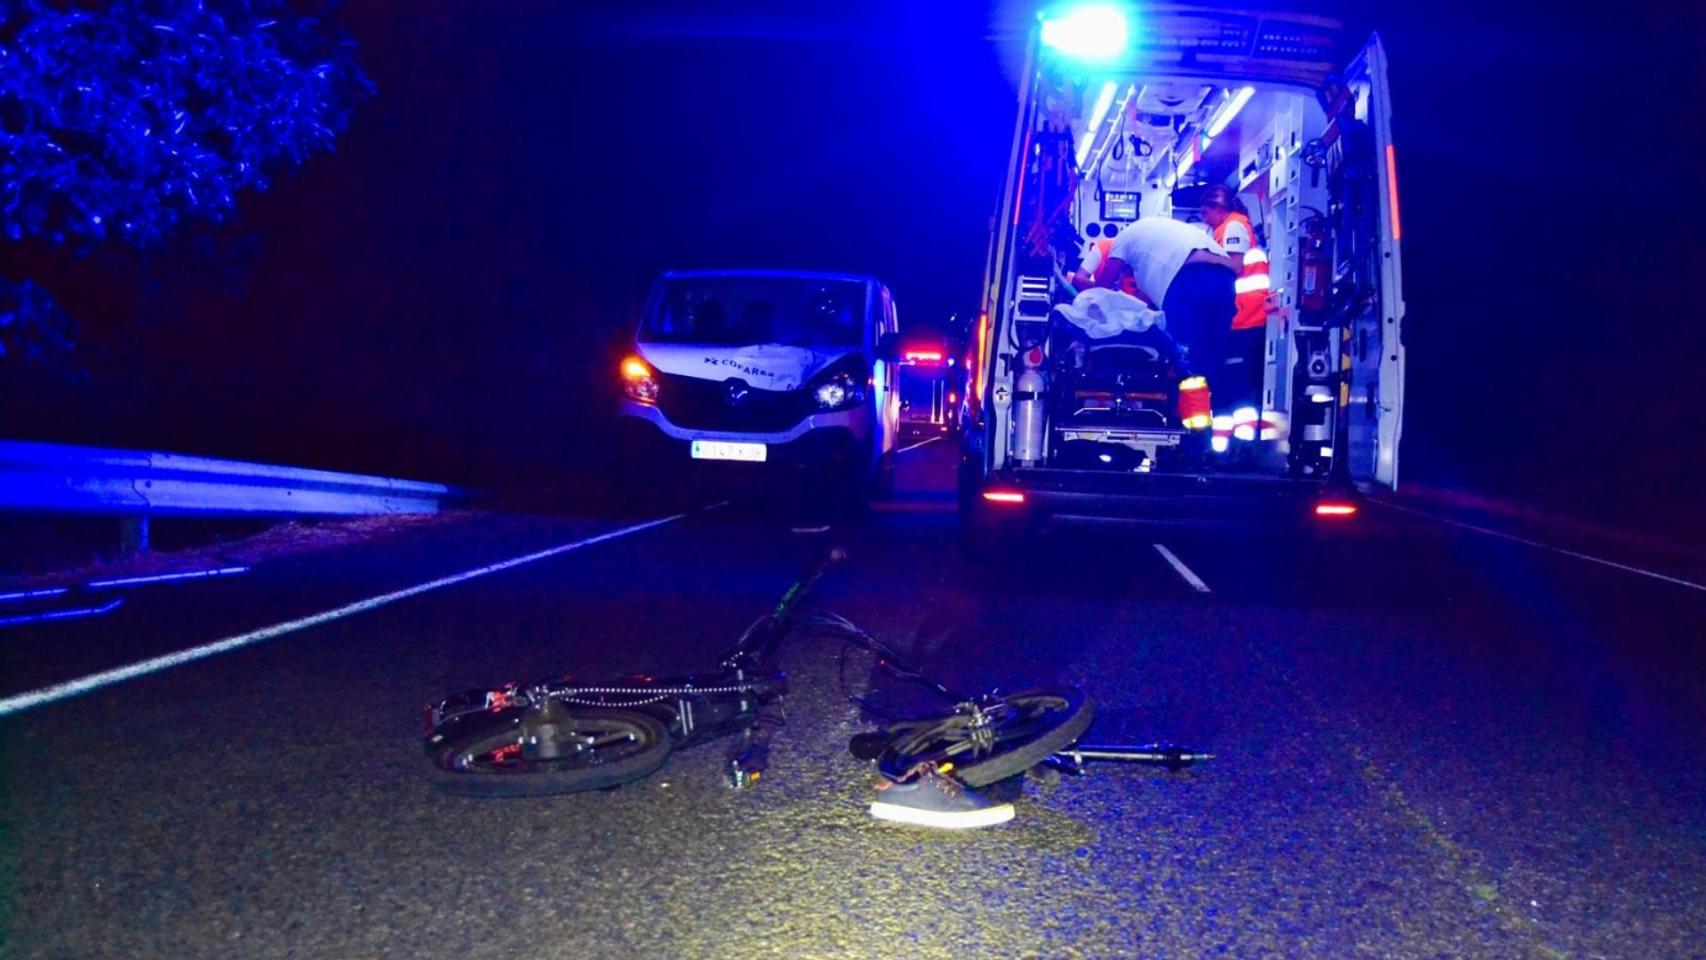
[(1017, 735), (569, 750)]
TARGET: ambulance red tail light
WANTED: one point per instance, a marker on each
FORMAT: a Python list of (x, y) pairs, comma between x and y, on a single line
[(1007, 498), (1335, 509)]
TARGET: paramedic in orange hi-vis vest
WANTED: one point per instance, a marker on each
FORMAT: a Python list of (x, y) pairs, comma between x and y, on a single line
[(1239, 386)]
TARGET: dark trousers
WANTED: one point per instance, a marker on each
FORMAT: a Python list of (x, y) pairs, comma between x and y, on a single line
[(1199, 307), (1240, 380)]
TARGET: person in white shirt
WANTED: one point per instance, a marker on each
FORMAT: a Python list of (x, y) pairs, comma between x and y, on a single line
[(1182, 270)]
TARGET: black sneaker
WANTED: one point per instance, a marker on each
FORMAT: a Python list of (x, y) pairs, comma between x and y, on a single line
[(933, 800)]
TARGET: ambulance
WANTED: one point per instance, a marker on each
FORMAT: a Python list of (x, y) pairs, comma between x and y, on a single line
[(1130, 112)]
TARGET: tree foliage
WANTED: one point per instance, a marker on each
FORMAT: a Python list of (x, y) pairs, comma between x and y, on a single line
[(34, 331), (122, 121)]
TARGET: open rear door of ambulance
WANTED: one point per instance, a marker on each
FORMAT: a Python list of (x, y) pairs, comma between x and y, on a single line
[(1368, 179)]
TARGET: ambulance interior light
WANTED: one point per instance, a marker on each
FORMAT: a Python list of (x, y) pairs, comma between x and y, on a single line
[(1104, 100), (1228, 113)]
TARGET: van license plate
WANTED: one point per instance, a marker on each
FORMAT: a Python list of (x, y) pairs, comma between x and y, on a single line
[(726, 450)]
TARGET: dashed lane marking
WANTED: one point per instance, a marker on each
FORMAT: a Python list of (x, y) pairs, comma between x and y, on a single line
[(1187, 573), (921, 443)]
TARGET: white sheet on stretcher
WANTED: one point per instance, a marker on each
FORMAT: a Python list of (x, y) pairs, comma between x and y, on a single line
[(1103, 313)]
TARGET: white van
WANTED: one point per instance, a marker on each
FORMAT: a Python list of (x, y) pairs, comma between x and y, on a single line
[(764, 376), (1131, 112)]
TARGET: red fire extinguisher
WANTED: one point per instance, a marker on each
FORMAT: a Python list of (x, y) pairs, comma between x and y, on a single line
[(1315, 266)]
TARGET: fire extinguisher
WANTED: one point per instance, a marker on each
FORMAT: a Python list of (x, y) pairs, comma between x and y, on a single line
[(1315, 265)]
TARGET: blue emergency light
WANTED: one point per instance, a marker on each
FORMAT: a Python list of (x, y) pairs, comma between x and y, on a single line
[(1090, 32)]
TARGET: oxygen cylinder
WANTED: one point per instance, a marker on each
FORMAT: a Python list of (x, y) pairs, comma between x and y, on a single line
[(1030, 413)]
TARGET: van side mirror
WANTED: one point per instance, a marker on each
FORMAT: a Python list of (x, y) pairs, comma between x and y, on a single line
[(888, 348)]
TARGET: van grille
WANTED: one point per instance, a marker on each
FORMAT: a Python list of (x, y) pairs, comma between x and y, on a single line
[(710, 405)]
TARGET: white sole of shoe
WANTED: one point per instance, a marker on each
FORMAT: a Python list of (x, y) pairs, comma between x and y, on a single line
[(987, 817)]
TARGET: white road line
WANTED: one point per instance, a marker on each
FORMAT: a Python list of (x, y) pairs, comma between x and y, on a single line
[(95, 681), (35, 594), (1547, 546), (921, 443), (167, 577), (1189, 575)]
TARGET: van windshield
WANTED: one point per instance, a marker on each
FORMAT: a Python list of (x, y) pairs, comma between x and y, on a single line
[(745, 311)]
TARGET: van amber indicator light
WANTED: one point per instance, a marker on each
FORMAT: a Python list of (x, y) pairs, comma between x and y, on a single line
[(1335, 509), (638, 380), (1392, 190), (1004, 496)]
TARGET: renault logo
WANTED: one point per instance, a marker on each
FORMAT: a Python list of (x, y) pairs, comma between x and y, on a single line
[(738, 391)]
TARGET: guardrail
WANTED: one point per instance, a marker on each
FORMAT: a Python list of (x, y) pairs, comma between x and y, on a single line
[(78, 601), (56, 478)]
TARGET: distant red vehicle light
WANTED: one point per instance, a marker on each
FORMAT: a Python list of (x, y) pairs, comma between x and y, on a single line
[(1335, 509), (1013, 497)]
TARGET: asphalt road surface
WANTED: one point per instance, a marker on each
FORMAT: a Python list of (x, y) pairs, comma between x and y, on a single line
[(1431, 742)]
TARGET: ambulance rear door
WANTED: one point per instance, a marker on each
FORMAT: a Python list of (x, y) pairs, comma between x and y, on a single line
[(1368, 277)]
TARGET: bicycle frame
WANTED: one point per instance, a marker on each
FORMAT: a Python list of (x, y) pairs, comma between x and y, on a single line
[(693, 707)]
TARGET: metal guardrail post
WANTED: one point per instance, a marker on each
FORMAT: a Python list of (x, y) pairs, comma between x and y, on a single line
[(134, 535)]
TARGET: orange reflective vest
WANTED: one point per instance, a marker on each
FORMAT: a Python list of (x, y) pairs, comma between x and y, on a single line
[(1251, 287)]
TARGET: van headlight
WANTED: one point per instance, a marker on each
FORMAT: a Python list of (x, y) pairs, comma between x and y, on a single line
[(839, 392), (638, 380)]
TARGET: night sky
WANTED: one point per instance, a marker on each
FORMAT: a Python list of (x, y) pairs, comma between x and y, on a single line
[(442, 296)]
